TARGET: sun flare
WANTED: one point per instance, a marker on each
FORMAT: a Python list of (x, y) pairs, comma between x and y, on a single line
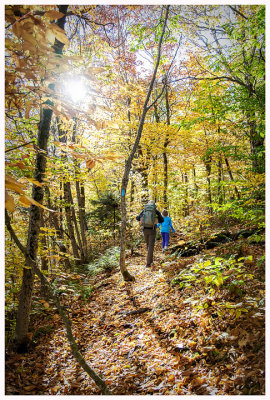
[(75, 89)]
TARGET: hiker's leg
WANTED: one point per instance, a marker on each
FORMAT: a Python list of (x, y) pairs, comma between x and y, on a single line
[(146, 237), (167, 238), (151, 244), (163, 239)]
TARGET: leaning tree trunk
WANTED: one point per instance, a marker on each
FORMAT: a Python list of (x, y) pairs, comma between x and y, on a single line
[(24, 307), (128, 163), (231, 177), (53, 296), (166, 142)]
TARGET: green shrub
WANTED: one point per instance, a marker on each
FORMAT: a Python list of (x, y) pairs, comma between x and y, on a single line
[(107, 261)]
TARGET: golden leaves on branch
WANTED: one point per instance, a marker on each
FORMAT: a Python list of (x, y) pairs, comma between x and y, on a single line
[(12, 184), (18, 187), (59, 33), (9, 202)]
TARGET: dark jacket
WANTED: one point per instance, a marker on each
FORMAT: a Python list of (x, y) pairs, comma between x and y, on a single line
[(158, 214)]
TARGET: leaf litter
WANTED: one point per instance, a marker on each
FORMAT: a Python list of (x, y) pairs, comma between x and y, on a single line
[(151, 336)]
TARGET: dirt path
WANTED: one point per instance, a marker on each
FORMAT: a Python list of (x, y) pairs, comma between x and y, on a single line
[(144, 338)]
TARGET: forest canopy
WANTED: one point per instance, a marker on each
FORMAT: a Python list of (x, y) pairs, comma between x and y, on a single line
[(108, 107)]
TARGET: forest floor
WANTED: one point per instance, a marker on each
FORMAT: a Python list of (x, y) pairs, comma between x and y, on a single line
[(150, 336)]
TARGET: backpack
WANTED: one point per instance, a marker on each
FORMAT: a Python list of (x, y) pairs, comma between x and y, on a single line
[(149, 216)]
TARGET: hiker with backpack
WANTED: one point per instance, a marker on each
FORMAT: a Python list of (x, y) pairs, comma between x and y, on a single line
[(149, 217), (166, 226)]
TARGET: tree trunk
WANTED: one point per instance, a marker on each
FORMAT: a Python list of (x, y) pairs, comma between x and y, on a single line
[(220, 184), (59, 232), (55, 299), (74, 219), (81, 205), (128, 163), (207, 163), (143, 171), (21, 339), (166, 142), (186, 204), (24, 307), (68, 213), (231, 176)]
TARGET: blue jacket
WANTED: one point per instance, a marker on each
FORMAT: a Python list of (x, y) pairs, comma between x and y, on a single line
[(166, 225)]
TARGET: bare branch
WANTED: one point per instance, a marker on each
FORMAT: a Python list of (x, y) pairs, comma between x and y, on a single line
[(238, 12), (17, 147)]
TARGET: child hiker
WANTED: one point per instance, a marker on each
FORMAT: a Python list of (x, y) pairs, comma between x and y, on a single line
[(166, 225)]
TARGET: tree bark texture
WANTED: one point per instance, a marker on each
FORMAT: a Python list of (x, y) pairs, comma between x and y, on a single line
[(25, 300), (59, 233), (24, 307), (128, 163), (81, 205), (68, 213), (208, 167), (166, 142), (231, 177)]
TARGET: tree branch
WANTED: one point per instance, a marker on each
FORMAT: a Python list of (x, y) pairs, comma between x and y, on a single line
[(13, 234), (238, 12), (14, 148), (74, 347)]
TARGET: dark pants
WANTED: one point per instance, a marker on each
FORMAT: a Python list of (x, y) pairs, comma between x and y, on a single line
[(165, 239), (150, 237)]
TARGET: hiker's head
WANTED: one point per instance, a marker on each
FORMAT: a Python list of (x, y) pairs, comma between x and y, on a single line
[(151, 202), (165, 213)]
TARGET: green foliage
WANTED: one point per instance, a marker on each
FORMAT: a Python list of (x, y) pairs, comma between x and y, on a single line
[(79, 289), (107, 261), (249, 210), (105, 213), (214, 274)]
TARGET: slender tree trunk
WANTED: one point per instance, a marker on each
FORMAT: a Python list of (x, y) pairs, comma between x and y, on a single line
[(59, 232), (166, 142), (81, 205), (24, 307), (208, 167), (25, 300), (55, 299), (231, 176), (74, 219), (68, 213), (128, 163), (196, 187), (132, 192), (143, 171), (186, 204), (44, 258), (220, 184)]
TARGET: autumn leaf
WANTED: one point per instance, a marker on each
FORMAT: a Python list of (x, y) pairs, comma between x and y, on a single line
[(26, 201), (9, 202), (90, 163), (12, 184), (35, 182), (53, 14), (59, 34)]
